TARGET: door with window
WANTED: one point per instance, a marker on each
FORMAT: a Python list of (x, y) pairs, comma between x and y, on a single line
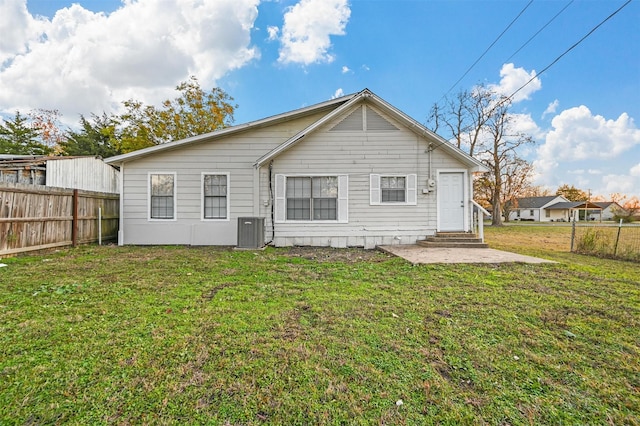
[(451, 206)]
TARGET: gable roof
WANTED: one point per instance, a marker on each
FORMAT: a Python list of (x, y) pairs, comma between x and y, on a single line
[(264, 122), (334, 108), (606, 204), (535, 202), (368, 97), (566, 205)]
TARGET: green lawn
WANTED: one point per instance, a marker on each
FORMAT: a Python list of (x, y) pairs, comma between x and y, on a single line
[(175, 335)]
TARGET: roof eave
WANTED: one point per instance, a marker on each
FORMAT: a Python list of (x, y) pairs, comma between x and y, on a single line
[(353, 98), (366, 95), (476, 166), (227, 131)]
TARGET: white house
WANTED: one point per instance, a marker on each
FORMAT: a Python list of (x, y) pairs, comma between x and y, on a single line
[(539, 209), (352, 171), (609, 210)]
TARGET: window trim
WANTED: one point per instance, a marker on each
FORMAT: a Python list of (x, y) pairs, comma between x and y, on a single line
[(342, 201), (175, 197), (202, 207), (375, 189)]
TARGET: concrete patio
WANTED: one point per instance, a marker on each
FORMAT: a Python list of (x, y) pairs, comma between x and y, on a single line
[(418, 255)]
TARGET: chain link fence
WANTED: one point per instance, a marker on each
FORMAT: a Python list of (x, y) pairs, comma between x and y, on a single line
[(619, 241)]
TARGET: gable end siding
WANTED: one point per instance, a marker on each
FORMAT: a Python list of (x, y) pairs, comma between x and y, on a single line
[(353, 122)]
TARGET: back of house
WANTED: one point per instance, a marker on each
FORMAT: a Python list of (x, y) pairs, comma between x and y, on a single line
[(352, 171)]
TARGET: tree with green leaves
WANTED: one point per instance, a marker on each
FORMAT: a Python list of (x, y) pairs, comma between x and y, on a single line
[(18, 137), (99, 136), (194, 112), (572, 193)]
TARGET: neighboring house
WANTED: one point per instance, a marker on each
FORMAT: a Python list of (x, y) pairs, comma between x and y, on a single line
[(563, 211), (352, 171), (86, 173), (541, 209), (553, 208), (609, 210)]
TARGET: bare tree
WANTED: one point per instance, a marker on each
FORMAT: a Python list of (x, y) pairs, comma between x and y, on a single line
[(480, 123), (463, 118)]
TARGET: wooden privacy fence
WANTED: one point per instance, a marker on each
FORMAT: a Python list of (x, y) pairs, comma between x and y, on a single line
[(39, 217)]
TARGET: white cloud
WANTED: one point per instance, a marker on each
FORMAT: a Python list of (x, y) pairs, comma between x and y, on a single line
[(307, 29), (551, 108), (635, 170), (523, 123), (579, 135), (345, 69), (81, 61), (273, 33), (17, 27), (581, 138), (619, 183), (512, 79), (366, 68), (338, 93)]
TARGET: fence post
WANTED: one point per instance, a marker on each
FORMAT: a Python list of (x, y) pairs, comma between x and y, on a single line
[(74, 222), (615, 247), (99, 226), (573, 233)]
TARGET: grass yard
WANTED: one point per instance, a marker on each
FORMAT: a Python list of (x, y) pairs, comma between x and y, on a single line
[(176, 335)]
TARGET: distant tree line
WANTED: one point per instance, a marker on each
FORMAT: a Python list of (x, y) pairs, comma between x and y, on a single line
[(194, 112)]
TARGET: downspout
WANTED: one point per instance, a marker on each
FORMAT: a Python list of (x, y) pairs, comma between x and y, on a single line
[(271, 201), (121, 212), (430, 174)]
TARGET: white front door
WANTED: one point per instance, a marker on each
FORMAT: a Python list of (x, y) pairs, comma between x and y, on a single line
[(451, 201)]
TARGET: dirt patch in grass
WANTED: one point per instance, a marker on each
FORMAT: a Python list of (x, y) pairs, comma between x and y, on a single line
[(211, 293), (328, 254)]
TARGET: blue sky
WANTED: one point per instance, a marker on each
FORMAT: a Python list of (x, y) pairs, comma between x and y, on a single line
[(275, 56)]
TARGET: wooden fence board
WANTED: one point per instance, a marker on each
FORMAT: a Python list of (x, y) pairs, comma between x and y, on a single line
[(34, 218)]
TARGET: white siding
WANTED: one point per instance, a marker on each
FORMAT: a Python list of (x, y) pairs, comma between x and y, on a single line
[(234, 155), (90, 174), (359, 155), (355, 155)]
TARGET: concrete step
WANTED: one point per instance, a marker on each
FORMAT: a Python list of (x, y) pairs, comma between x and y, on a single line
[(450, 244), (456, 235), (469, 239)]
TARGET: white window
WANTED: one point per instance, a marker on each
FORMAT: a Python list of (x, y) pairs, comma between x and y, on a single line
[(393, 189), (215, 190), (162, 194), (311, 198)]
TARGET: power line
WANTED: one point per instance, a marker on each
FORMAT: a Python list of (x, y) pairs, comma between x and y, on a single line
[(539, 31), (566, 51), (552, 63), (488, 48)]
